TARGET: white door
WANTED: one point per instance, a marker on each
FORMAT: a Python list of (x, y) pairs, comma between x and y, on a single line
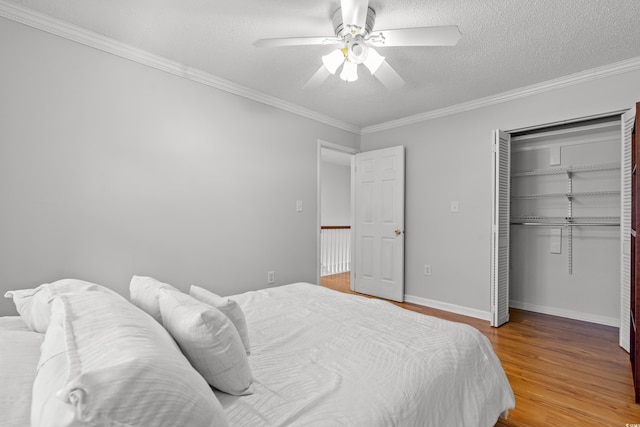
[(379, 223), (500, 229), (628, 119)]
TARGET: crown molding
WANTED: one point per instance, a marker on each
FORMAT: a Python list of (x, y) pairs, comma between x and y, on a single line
[(97, 41), (621, 67)]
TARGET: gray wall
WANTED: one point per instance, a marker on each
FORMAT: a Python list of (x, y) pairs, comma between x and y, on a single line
[(449, 158), (109, 168), (336, 194)]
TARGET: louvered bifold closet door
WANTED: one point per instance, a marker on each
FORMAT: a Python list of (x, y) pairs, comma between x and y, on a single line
[(627, 122), (500, 232)]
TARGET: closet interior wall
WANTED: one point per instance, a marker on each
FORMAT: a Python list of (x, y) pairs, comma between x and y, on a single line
[(565, 215)]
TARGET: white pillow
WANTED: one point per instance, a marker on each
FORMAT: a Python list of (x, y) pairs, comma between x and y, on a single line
[(104, 362), (144, 292), (33, 304), (209, 340), (229, 307)]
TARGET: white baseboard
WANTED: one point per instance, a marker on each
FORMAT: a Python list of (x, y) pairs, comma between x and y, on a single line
[(485, 315), (452, 308), (576, 315)]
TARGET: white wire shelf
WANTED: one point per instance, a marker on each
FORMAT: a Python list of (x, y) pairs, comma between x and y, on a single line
[(569, 169), (568, 195), (551, 221)]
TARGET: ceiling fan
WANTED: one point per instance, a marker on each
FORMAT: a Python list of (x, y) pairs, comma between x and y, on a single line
[(356, 41)]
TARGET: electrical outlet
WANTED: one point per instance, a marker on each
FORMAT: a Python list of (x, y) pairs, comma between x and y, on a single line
[(271, 277), (427, 270)]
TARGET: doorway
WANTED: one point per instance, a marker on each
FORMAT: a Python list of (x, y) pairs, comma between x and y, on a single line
[(558, 193), (374, 249), (335, 207)]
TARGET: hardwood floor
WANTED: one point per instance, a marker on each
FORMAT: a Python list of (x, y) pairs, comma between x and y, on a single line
[(563, 372)]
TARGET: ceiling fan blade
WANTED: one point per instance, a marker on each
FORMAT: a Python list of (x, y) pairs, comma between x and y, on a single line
[(296, 41), (318, 78), (446, 35), (388, 76), (354, 14)]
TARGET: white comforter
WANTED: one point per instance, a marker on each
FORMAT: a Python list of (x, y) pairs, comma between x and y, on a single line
[(320, 357), (323, 358)]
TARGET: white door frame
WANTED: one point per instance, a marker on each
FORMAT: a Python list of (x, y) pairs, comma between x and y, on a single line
[(349, 150)]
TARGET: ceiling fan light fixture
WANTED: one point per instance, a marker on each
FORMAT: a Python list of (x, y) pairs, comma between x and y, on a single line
[(373, 61), (349, 72), (353, 24), (333, 60)]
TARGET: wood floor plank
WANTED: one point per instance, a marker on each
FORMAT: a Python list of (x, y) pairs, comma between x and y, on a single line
[(563, 372)]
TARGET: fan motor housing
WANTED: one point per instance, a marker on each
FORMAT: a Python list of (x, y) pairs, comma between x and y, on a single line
[(357, 49), (342, 32)]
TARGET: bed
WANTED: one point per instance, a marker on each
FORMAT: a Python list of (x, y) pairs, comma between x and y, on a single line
[(316, 357)]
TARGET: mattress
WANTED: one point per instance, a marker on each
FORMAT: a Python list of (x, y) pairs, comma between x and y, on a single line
[(320, 357), (20, 351)]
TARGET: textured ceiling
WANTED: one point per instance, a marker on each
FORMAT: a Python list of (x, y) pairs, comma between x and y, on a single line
[(506, 44)]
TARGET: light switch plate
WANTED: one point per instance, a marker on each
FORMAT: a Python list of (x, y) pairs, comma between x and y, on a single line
[(455, 206), (554, 158)]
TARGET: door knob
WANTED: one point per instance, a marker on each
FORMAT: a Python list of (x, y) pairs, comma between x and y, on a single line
[(398, 231)]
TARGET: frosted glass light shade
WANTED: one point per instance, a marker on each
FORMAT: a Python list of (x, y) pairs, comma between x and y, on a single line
[(333, 60), (349, 72)]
